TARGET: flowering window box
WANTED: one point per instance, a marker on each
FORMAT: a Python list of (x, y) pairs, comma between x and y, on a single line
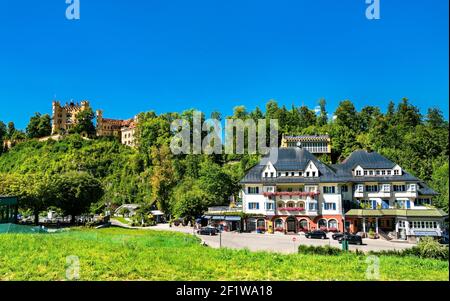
[(292, 208)]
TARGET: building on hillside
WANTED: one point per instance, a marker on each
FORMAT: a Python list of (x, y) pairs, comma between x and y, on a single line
[(315, 144), (298, 192), (64, 117), (125, 130)]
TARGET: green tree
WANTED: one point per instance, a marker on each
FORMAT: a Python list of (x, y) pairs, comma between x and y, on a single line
[(346, 115), (39, 126), (84, 123), (322, 119), (435, 119), (3, 133), (162, 179), (439, 182), (76, 191), (188, 200), (407, 115), (11, 130)]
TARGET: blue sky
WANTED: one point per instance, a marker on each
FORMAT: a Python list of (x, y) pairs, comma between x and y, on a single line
[(171, 55)]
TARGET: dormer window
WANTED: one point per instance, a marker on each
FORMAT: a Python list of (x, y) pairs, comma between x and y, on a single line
[(266, 174), (396, 172), (358, 172), (383, 172), (313, 173), (365, 172), (388, 172), (271, 174), (378, 172), (307, 173), (371, 172), (292, 174), (300, 174)]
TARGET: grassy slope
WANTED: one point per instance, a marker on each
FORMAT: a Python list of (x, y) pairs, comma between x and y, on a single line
[(119, 254)]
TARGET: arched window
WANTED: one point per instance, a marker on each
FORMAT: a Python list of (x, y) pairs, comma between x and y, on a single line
[(261, 223), (278, 223), (301, 204), (280, 205), (303, 224), (290, 204), (332, 224), (322, 224)]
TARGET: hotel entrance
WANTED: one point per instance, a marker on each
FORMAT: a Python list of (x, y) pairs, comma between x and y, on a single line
[(291, 224)]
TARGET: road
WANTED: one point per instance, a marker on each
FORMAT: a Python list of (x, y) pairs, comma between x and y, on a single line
[(279, 242)]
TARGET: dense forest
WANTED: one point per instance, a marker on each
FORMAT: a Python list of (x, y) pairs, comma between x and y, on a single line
[(184, 185)]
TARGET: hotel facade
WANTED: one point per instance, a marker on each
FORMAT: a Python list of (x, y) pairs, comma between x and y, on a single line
[(366, 192)]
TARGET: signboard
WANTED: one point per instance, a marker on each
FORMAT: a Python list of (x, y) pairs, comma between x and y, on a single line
[(426, 233)]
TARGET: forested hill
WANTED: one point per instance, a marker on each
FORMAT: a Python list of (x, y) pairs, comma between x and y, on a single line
[(185, 185)]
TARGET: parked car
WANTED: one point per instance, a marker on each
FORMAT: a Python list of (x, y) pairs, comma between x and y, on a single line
[(338, 235), (316, 234), (352, 239), (207, 231)]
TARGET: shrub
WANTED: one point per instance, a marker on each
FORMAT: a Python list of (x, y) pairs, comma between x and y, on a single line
[(428, 247), (319, 250)]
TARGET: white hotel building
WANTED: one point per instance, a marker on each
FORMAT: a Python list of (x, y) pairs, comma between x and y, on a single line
[(297, 192)]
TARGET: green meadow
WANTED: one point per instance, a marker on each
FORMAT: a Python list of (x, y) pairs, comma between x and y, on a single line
[(125, 254)]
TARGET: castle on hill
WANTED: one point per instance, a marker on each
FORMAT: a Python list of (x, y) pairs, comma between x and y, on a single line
[(64, 119)]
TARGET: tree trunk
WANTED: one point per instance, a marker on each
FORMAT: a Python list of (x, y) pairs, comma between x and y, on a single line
[(72, 219), (36, 217)]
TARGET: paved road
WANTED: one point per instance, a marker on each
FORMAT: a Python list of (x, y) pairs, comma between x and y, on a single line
[(279, 242)]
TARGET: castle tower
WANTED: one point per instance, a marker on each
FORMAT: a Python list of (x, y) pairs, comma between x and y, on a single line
[(99, 114), (56, 117), (84, 105)]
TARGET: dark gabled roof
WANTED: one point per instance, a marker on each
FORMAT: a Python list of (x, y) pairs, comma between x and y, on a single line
[(296, 159), (370, 160), (424, 189), (291, 159), (366, 160)]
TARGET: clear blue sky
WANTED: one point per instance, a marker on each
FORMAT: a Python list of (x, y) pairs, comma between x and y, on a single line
[(132, 56)]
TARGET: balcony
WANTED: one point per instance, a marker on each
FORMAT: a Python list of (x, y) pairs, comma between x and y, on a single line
[(292, 193), (291, 210), (405, 194)]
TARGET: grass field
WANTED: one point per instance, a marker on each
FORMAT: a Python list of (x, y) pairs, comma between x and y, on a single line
[(124, 254)]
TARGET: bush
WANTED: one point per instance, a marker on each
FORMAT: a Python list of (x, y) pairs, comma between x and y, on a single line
[(428, 247), (319, 250)]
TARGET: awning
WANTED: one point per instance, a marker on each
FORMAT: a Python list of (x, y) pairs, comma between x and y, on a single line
[(233, 218), (221, 217)]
